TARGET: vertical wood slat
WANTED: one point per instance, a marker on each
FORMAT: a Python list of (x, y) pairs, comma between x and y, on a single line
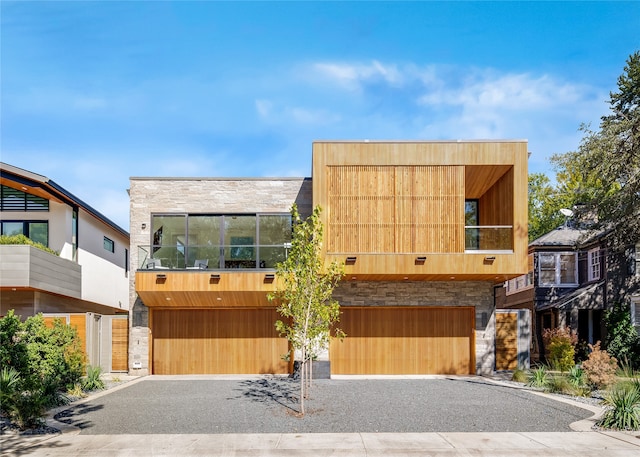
[(79, 321), (119, 344), (398, 340), (212, 341), (506, 341), (387, 209)]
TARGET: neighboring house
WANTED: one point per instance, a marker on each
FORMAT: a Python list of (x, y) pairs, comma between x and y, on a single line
[(425, 229), (87, 283), (574, 277)]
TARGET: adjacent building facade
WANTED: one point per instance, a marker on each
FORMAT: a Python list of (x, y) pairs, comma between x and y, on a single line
[(87, 283), (425, 229), (574, 277)]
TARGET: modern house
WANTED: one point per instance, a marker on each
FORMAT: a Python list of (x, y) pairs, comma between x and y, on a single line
[(574, 277), (425, 229), (86, 284)]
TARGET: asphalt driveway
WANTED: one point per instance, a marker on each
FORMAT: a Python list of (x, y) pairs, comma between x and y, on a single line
[(269, 405)]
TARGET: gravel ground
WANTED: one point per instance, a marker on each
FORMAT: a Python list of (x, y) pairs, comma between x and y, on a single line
[(270, 405)]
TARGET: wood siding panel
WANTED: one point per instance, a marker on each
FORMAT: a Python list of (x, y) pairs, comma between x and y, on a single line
[(396, 209), (433, 340), (506, 341), (119, 344), (217, 342), (79, 321)]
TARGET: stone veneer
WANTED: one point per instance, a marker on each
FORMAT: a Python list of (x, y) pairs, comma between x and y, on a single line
[(197, 195), (478, 294)]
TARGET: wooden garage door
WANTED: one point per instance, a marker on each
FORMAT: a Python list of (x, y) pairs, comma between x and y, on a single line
[(239, 341), (433, 340)]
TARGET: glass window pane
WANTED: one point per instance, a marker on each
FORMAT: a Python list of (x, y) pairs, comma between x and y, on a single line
[(168, 240), (239, 241), (568, 269), (203, 242), (274, 232), (39, 232), (12, 228)]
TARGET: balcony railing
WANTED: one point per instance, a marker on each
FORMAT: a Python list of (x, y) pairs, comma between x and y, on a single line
[(212, 257), (491, 238)]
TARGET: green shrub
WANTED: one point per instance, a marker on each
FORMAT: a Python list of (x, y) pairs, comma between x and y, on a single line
[(600, 368), (539, 377), (92, 381), (576, 376), (519, 375), (21, 239), (622, 341), (40, 362), (623, 411), (559, 385), (560, 343)]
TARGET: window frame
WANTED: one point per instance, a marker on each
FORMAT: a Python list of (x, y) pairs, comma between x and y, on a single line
[(558, 269), (26, 227), (593, 264), (106, 241)]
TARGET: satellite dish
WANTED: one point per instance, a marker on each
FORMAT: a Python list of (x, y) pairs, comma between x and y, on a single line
[(566, 212)]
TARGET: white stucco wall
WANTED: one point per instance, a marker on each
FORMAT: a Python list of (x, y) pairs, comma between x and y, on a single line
[(104, 279)]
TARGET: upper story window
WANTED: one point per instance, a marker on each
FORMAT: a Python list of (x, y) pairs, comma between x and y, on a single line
[(219, 240), (519, 284), (108, 244), (633, 260), (558, 269), (37, 231), (593, 264), (15, 200)]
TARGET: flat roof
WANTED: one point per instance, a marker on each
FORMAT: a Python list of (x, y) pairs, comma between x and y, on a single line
[(423, 141), (207, 178)]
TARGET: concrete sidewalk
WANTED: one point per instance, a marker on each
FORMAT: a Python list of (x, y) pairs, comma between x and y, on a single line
[(582, 444)]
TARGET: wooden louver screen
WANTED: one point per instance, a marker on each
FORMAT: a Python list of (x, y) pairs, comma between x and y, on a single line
[(396, 209)]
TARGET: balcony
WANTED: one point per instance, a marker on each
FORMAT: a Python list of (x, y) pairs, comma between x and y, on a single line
[(212, 257), (28, 268), (488, 238)]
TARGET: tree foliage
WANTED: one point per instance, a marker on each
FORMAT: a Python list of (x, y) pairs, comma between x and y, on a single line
[(610, 157), (304, 293)]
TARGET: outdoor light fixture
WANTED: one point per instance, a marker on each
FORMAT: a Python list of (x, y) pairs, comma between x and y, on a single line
[(350, 260), (214, 277), (269, 277), (161, 277), (144, 226), (420, 260), (490, 258)]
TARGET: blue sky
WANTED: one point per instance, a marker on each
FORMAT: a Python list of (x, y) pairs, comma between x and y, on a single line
[(95, 92)]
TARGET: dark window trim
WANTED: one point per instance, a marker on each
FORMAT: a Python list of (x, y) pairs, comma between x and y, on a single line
[(112, 244), (25, 226)]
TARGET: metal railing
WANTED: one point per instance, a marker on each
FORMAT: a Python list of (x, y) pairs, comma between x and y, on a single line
[(211, 257)]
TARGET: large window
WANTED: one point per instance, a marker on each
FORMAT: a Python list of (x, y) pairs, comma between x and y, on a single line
[(219, 240), (15, 200), (593, 264), (37, 231), (471, 222), (558, 269)]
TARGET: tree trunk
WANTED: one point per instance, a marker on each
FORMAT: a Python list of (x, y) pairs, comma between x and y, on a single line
[(302, 381)]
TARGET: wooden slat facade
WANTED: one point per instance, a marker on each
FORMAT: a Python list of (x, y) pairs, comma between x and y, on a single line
[(119, 344), (217, 341), (388, 202), (506, 341), (405, 340)]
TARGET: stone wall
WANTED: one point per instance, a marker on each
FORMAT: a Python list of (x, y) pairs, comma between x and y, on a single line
[(478, 294), (197, 195)]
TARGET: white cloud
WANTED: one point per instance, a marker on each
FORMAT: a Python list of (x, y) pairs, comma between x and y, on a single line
[(352, 76)]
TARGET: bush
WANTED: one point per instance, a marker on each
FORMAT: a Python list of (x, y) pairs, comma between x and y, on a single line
[(576, 376), (519, 375), (92, 381), (622, 340), (21, 239), (624, 407), (560, 343), (40, 363), (600, 368), (539, 377)]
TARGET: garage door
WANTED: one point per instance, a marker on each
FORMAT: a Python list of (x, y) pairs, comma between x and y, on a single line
[(216, 341), (433, 340)]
